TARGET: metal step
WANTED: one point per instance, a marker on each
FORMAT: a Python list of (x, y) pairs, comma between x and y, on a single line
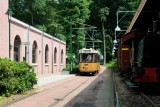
[(130, 84)]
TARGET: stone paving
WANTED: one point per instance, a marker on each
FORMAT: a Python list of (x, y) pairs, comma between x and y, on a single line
[(46, 97), (43, 80)]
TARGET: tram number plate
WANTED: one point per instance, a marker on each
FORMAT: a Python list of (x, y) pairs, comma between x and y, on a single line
[(85, 64)]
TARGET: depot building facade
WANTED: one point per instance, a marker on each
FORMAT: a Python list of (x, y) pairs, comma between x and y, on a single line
[(22, 42)]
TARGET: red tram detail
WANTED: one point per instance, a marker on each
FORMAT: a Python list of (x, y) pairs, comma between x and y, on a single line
[(124, 61), (138, 56)]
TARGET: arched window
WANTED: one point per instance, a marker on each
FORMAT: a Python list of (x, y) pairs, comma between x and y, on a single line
[(61, 56), (55, 55), (34, 52), (46, 54), (17, 43)]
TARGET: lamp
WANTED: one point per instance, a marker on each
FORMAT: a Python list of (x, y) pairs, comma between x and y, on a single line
[(9, 12), (118, 20), (117, 28), (115, 41)]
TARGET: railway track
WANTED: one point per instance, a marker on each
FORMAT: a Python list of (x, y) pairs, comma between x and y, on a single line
[(58, 100), (91, 93), (117, 102), (154, 100), (132, 97)]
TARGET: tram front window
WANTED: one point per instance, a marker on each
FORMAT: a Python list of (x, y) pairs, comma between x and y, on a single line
[(86, 57)]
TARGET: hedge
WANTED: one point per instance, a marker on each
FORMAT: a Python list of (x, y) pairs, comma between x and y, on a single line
[(15, 77)]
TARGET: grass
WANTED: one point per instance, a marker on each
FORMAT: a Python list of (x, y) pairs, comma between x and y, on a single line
[(1, 98), (112, 63)]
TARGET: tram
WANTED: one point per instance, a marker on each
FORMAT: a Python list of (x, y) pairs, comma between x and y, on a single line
[(89, 61)]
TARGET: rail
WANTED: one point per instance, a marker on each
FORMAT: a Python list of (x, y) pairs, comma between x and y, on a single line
[(148, 99), (115, 89)]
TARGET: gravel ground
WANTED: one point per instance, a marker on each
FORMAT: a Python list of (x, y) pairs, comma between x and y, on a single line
[(129, 97)]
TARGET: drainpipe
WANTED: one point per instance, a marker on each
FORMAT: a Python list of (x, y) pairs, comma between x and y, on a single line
[(28, 35), (9, 12), (60, 57), (52, 54), (42, 52)]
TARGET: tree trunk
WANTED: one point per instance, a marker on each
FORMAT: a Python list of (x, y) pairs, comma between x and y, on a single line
[(104, 43)]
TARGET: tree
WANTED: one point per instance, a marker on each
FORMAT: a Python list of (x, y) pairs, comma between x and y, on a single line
[(110, 24), (56, 17), (103, 13), (73, 14)]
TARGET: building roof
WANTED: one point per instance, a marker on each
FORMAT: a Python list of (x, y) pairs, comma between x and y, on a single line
[(147, 12)]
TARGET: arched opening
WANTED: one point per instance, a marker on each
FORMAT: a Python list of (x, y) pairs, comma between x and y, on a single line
[(46, 53), (17, 44), (55, 55), (34, 52), (62, 56)]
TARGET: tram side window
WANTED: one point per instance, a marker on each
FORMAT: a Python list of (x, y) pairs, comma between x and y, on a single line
[(81, 57), (97, 58), (94, 57)]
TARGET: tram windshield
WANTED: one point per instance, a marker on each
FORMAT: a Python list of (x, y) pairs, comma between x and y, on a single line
[(88, 57)]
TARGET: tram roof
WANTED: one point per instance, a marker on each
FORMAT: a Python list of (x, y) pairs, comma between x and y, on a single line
[(90, 50)]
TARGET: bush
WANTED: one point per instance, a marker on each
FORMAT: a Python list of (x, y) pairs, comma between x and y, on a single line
[(75, 70), (15, 77), (112, 63)]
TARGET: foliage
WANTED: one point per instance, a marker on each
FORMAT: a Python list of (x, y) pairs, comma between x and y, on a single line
[(67, 68), (32, 12), (15, 77), (60, 18), (73, 14), (75, 69), (103, 13), (101, 6), (112, 63)]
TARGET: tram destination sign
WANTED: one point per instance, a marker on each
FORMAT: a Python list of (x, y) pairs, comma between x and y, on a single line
[(87, 51)]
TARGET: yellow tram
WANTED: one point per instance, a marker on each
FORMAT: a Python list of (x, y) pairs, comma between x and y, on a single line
[(89, 61)]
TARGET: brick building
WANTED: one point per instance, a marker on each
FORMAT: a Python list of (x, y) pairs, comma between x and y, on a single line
[(44, 52)]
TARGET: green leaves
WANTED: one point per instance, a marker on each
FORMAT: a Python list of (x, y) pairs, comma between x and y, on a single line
[(103, 13), (15, 77), (56, 17)]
